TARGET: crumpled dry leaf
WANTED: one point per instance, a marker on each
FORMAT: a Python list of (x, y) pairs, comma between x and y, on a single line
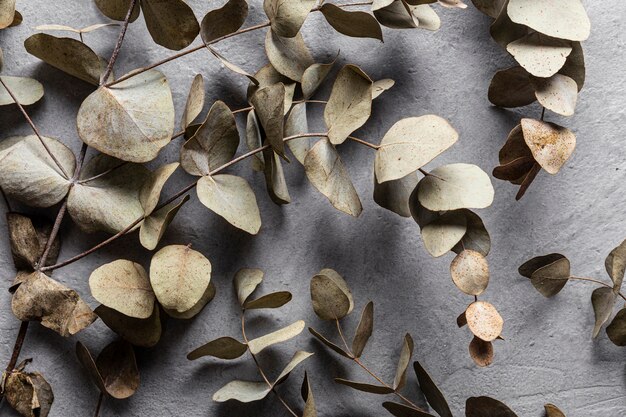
[(356, 24), (69, 55), (232, 198), (564, 19), (224, 21), (131, 120), (30, 175), (213, 144), (40, 298), (349, 105), (179, 276), (28, 238), (28, 393), (410, 144), (27, 91), (287, 16), (323, 167), (331, 296), (123, 286)]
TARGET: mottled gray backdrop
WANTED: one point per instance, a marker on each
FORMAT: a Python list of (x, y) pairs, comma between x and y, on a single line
[(548, 355)]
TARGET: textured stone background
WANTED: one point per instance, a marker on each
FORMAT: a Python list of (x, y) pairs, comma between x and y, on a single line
[(548, 355)]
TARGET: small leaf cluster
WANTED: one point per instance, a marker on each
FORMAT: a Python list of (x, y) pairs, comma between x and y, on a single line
[(545, 39), (550, 273)]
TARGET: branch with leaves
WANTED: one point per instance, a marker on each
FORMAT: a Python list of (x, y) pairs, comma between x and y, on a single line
[(549, 274), (545, 39)]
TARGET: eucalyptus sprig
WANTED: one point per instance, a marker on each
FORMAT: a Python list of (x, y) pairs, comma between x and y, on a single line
[(245, 283), (545, 39), (549, 274)]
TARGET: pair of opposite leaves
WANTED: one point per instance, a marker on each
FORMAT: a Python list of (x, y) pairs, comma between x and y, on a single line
[(549, 274), (245, 283)]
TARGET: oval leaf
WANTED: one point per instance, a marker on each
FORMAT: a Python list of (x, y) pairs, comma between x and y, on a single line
[(222, 348), (331, 297), (470, 272), (279, 336), (484, 321)]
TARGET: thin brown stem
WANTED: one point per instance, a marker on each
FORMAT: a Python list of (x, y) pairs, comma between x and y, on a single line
[(53, 234), (99, 404), (245, 109), (32, 126), (187, 52), (102, 174), (362, 142), (596, 281), (360, 3), (17, 348), (258, 365), (118, 45)]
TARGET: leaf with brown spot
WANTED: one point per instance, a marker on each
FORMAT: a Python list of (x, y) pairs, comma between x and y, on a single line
[(550, 144), (28, 393), (558, 93), (484, 321), (540, 55), (470, 272), (564, 19)]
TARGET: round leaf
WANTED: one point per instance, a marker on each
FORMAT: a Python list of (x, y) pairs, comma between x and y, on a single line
[(511, 88), (331, 297), (557, 93), (27, 91), (484, 320), (540, 55), (355, 24), (564, 19), (118, 367), (171, 23), (470, 272), (481, 352), (138, 332)]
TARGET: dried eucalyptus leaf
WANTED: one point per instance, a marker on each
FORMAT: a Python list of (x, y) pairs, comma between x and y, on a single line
[(515, 170), (486, 406), (254, 140), (431, 391), (234, 68), (30, 175), (563, 19), (69, 55), (363, 330), (1, 59), (314, 76), (245, 282), (273, 300), (213, 144), (138, 332), (117, 9), (349, 105), (40, 298), (356, 24), (381, 86), (410, 144), (297, 124), (540, 55), (401, 410), (603, 301), (426, 16), (111, 201), (329, 344), (151, 190), (287, 16), (269, 106), (195, 102), (362, 386), (27, 91), (297, 358), (232, 198), (7, 13), (403, 363), (470, 272), (395, 14), (331, 296), (131, 120), (118, 367), (484, 321), (171, 23), (615, 264), (28, 393), (491, 8), (550, 279), (206, 298), (456, 186), (530, 266), (123, 286), (550, 144), (476, 237), (323, 167), (222, 348), (575, 65), (444, 233), (224, 21), (289, 56), (267, 76), (28, 239), (275, 178), (179, 276), (279, 336), (87, 361), (617, 329), (481, 352), (153, 227), (511, 88), (504, 31), (553, 411), (557, 93), (307, 396), (242, 391), (394, 195)]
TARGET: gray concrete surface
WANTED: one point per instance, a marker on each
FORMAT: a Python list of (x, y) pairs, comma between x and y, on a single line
[(548, 355)]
